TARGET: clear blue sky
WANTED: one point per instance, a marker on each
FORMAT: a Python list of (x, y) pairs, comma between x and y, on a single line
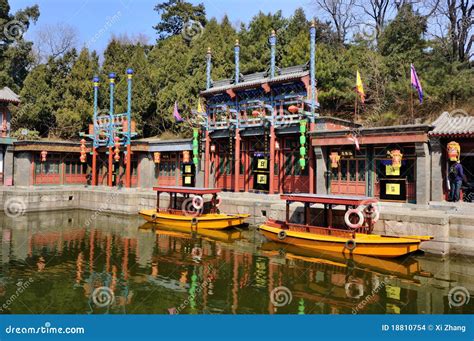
[(97, 20)]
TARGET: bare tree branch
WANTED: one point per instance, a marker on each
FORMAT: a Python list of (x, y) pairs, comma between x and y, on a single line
[(54, 41), (341, 14)]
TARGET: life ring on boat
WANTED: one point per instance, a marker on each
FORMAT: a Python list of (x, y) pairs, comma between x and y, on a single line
[(218, 201), (348, 215), (196, 252), (375, 214), (198, 202), (350, 244), (281, 235), (154, 216)]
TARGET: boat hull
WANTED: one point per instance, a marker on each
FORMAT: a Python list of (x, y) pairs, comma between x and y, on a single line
[(363, 244), (205, 221)]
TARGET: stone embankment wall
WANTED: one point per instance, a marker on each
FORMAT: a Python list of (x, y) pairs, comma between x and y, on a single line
[(453, 230)]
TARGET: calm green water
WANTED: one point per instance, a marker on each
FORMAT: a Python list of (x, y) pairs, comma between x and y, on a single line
[(81, 262)]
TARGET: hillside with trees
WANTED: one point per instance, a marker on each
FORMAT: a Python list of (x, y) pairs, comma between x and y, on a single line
[(379, 38)]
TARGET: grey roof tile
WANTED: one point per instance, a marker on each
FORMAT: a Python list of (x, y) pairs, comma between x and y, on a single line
[(453, 123), (7, 95)]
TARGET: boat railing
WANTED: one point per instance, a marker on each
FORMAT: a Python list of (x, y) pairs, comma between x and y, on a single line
[(326, 231), (179, 212)]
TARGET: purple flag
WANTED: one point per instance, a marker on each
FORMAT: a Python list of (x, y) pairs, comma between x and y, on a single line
[(176, 114), (415, 83)]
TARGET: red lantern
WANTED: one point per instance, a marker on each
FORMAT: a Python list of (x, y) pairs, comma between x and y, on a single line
[(44, 153), (255, 113), (293, 109), (117, 149), (156, 157), (83, 156)]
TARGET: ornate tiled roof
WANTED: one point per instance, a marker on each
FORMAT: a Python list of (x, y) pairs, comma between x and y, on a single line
[(455, 123), (7, 95), (258, 78)]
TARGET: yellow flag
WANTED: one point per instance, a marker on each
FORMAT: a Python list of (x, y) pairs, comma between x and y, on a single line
[(360, 87), (199, 109)]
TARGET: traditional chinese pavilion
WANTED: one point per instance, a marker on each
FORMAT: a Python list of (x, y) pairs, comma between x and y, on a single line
[(256, 128)]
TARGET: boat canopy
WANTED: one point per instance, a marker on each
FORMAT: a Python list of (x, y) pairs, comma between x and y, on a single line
[(187, 190), (329, 199)]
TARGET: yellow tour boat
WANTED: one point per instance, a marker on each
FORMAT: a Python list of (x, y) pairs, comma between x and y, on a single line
[(191, 212), (355, 237)]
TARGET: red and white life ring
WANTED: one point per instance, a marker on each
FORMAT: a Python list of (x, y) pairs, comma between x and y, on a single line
[(218, 201), (348, 215), (198, 202), (375, 213)]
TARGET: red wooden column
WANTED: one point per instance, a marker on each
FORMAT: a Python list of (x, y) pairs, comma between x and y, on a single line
[(281, 158), (128, 167), (272, 159), (237, 160), (111, 165), (311, 162), (94, 166), (207, 160), (247, 166)]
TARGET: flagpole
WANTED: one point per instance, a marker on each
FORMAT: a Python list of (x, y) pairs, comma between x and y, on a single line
[(355, 107), (411, 105)]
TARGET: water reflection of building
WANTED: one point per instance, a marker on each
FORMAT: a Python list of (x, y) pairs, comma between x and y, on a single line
[(151, 272)]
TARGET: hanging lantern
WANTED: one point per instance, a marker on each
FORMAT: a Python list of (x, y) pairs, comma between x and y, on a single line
[(196, 146), (334, 157), (117, 148), (277, 145), (213, 148), (293, 109), (303, 143), (44, 153), (156, 157), (255, 113), (185, 156), (83, 156), (396, 156), (454, 151)]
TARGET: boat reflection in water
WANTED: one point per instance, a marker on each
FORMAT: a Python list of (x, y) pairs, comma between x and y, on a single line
[(116, 265), (350, 284)]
